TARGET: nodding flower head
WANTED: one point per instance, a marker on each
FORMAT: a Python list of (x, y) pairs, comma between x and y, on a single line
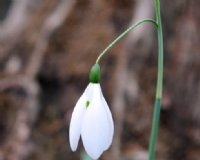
[(92, 121)]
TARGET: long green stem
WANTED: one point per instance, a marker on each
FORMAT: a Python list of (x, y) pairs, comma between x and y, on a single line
[(156, 114), (123, 34)]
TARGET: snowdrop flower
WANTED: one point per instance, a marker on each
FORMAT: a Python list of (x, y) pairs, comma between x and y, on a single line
[(91, 119)]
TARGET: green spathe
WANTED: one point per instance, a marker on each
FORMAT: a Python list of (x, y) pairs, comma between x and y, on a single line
[(95, 74)]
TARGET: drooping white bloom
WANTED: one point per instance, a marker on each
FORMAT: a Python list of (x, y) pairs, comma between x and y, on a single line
[(92, 121)]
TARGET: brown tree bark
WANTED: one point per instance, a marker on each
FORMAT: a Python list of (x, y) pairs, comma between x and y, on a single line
[(46, 51)]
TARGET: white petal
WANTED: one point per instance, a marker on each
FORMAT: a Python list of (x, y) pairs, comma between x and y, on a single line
[(77, 118), (89, 92), (95, 130), (110, 123)]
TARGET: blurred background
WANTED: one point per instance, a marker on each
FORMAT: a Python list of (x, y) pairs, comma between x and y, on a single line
[(46, 50)]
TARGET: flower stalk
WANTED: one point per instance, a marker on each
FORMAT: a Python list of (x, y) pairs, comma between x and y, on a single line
[(156, 114), (123, 34)]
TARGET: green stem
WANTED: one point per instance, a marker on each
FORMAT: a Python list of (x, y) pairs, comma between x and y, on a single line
[(123, 34), (160, 51), (156, 114), (154, 130)]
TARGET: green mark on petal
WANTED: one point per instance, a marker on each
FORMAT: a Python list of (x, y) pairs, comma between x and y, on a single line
[(87, 104)]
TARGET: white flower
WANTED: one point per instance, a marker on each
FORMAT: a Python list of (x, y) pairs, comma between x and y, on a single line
[(92, 120)]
